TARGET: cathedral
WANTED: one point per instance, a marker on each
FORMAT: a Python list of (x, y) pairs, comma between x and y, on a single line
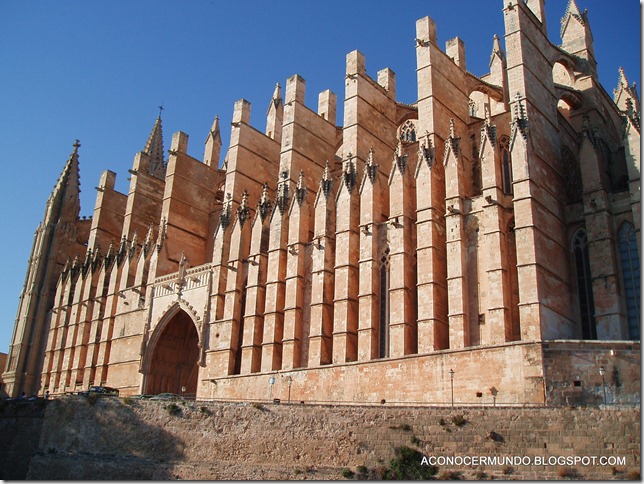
[(479, 245)]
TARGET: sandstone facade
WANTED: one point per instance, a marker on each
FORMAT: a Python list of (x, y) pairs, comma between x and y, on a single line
[(484, 239)]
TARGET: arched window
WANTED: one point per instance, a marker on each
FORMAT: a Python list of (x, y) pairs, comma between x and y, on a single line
[(383, 347), (506, 165), (584, 285), (630, 260), (408, 132)]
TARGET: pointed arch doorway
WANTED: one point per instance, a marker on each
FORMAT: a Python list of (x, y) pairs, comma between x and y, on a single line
[(175, 353)]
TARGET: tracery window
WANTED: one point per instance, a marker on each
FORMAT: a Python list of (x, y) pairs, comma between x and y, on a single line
[(630, 261), (472, 108), (408, 132), (383, 347), (506, 165), (584, 285)]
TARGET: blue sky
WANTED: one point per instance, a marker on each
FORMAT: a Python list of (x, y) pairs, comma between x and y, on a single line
[(98, 71)]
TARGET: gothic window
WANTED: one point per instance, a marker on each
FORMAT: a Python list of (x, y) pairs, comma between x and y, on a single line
[(572, 177), (506, 165), (383, 347), (408, 132), (584, 285), (240, 334), (477, 180), (472, 109), (630, 261)]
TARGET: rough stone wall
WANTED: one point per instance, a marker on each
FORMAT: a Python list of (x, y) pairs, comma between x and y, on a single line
[(114, 439), (572, 372)]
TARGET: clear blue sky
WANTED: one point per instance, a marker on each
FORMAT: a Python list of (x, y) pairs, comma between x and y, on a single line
[(97, 71)]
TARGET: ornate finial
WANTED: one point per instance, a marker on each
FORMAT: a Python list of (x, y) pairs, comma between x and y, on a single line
[(148, 240), (264, 205), (426, 151), (76, 145), (87, 263), (243, 212), (226, 212), (326, 182), (132, 249), (109, 256), (349, 173), (520, 120), (122, 251), (162, 234), (452, 141), (96, 258), (399, 159), (488, 130), (282, 192), (160, 109), (300, 190), (372, 167)]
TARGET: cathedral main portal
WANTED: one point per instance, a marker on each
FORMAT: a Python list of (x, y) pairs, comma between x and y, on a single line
[(173, 367)]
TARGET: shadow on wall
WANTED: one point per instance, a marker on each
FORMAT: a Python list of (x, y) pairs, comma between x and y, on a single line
[(103, 439), (20, 428)]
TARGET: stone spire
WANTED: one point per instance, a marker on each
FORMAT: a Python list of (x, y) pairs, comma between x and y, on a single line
[(275, 115), (213, 145), (576, 36), (54, 242), (154, 148), (64, 201), (626, 98), (497, 52)]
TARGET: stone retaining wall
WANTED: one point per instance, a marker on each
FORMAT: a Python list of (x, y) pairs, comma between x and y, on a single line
[(131, 439)]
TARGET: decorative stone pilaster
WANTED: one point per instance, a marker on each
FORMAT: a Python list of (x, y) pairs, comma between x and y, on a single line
[(401, 233), (347, 249), (322, 276)]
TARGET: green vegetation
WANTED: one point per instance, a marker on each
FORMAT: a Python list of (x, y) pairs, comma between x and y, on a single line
[(348, 473), (406, 465), (173, 409)]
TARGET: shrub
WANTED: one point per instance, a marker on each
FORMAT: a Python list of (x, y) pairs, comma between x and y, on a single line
[(348, 473), (459, 420), (416, 441), (442, 422), (406, 465), (128, 400), (173, 409)]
